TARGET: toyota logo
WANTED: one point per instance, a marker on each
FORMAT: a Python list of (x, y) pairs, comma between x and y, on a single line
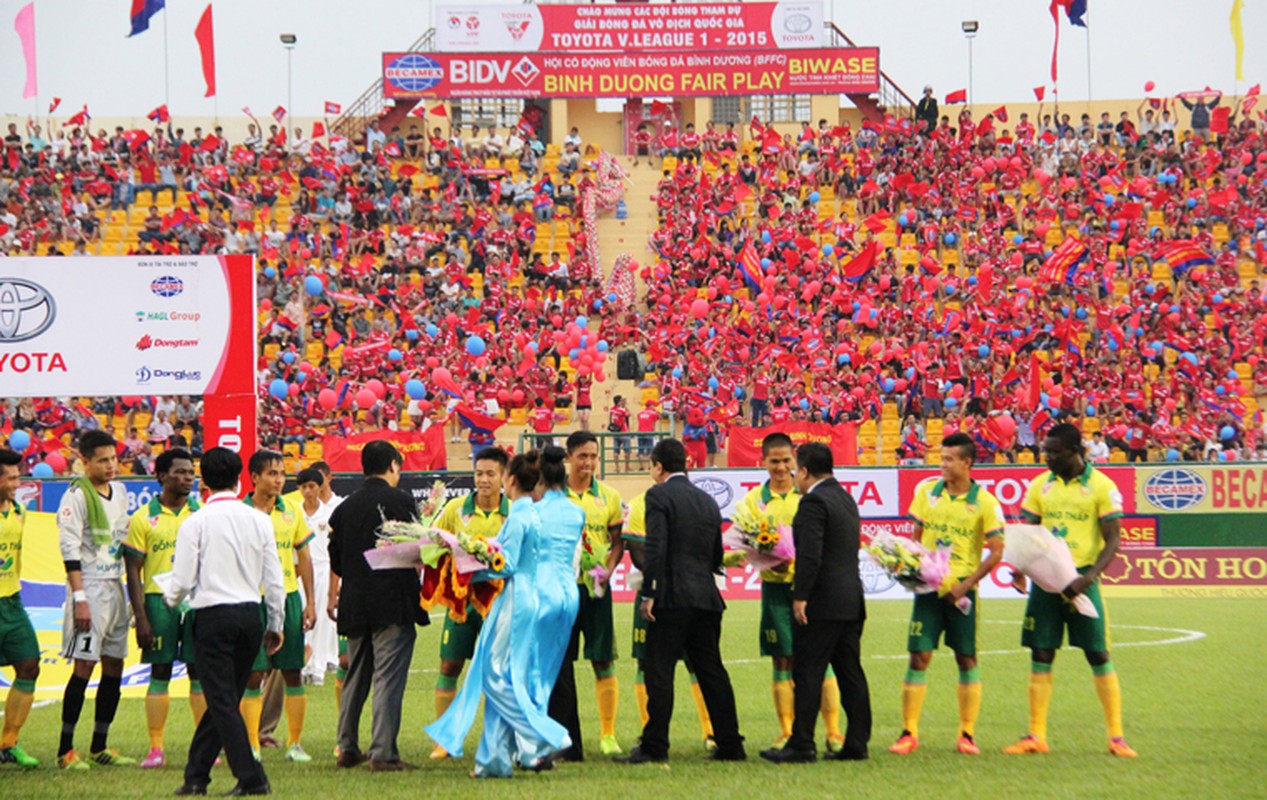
[(26, 310)]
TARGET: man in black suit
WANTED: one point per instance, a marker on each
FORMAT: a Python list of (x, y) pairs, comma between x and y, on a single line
[(375, 609), (681, 602), (828, 606)]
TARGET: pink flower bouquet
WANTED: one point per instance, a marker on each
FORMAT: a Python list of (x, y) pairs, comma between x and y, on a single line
[(1045, 558)]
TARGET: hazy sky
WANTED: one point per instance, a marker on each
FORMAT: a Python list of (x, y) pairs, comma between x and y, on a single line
[(85, 56)]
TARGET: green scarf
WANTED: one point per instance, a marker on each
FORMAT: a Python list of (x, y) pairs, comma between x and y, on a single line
[(98, 522)]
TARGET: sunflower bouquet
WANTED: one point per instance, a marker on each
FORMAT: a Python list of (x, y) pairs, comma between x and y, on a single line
[(914, 566), (764, 543)]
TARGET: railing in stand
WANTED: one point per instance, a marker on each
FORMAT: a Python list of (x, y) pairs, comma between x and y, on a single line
[(891, 96), (369, 106)]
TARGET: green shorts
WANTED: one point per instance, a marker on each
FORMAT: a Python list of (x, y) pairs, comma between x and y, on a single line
[(776, 620), (932, 616), (343, 646), (17, 635), (1047, 615), (594, 622), (291, 654), (173, 633), (639, 649), (457, 642)]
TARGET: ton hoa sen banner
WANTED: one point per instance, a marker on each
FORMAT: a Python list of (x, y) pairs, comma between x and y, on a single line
[(540, 28), (744, 444), (682, 74), (423, 450)]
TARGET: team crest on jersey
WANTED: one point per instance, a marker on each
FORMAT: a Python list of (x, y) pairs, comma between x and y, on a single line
[(972, 507)]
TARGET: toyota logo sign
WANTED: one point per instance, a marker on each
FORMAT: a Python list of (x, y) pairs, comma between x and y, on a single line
[(26, 310)]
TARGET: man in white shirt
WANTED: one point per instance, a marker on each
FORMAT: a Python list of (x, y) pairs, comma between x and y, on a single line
[(225, 551), (318, 501)]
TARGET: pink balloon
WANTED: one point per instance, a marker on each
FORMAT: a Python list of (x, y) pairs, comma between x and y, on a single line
[(600, 376), (1149, 86), (432, 362), (266, 304), (699, 308), (376, 386), (441, 375), (327, 398), (57, 461), (293, 390), (1004, 426), (365, 399)]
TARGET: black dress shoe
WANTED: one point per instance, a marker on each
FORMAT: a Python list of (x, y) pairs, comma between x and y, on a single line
[(190, 790), (639, 756), (348, 759), (728, 755), (787, 755), (847, 755), (248, 791)]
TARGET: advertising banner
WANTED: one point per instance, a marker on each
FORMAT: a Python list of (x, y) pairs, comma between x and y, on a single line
[(743, 445), (423, 450), (1189, 572), (588, 28), (1201, 489), (705, 73)]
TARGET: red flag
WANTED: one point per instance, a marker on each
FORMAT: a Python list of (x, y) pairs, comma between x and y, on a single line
[(856, 268), (205, 35), (1035, 384), (318, 130), (57, 101), (159, 114), (960, 96), (80, 118), (210, 144), (279, 113), (439, 110), (1000, 113), (1253, 90), (1040, 92), (419, 111), (333, 108)]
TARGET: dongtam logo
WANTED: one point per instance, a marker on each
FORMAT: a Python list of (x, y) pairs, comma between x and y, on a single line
[(146, 342), (26, 310), (167, 286)]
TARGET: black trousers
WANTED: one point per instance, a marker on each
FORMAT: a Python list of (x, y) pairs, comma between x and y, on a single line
[(697, 633), (563, 708), (814, 646), (227, 639)]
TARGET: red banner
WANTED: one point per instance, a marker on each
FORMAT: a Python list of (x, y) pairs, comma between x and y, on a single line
[(229, 406), (1189, 568), (744, 444), (737, 71), (423, 451), (588, 28), (1008, 484)]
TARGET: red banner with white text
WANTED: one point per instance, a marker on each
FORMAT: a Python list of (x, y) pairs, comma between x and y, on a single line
[(422, 450), (744, 444)]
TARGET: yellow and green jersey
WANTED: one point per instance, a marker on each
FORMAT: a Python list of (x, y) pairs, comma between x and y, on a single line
[(1074, 510), (779, 509), (603, 511), (463, 514), (152, 536), (290, 530), (961, 522), (635, 529), (12, 522)]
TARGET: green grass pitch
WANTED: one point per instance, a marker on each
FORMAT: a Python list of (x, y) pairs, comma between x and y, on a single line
[(1192, 673)]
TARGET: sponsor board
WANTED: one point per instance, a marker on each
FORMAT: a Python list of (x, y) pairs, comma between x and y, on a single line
[(1201, 489), (588, 28), (1008, 484), (1189, 572), (684, 73), (875, 490)]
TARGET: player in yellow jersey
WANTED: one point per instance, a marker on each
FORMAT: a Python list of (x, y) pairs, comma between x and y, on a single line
[(163, 634), (481, 512), (777, 500), (1081, 505), (19, 647), (956, 512), (604, 516), (268, 474)]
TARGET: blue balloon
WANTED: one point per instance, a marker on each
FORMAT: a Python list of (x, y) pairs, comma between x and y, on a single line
[(19, 440), (531, 347), (814, 197), (602, 345), (278, 388), (910, 373), (889, 385), (585, 342), (804, 404), (740, 393), (411, 334), (475, 346), (972, 280), (857, 306), (765, 237), (1232, 375), (828, 249), (574, 354), (1227, 432), (1172, 454), (1222, 456), (765, 263), (1192, 202), (1017, 239), (1218, 298), (950, 289), (1220, 389), (581, 322), (1114, 225), (313, 286), (1113, 345), (1150, 289), (432, 330), (42, 470), (598, 304), (301, 376), (1091, 411), (903, 220), (415, 389), (983, 351), (1080, 313), (949, 238), (951, 402), (288, 357), (270, 273), (1109, 199), (611, 298), (394, 355), (848, 358), (842, 359), (713, 384), (677, 372), (1191, 358)]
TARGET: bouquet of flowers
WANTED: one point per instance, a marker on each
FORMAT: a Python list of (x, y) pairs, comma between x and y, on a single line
[(411, 544), (764, 543), (593, 565), (914, 566), (1033, 550)]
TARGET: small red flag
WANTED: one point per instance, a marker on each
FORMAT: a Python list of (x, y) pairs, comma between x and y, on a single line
[(159, 114), (57, 101), (279, 113), (438, 111), (333, 108), (318, 130), (1000, 113), (1040, 92), (205, 34), (960, 96)]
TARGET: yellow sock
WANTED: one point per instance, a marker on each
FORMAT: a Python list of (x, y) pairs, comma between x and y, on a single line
[(197, 701), (640, 694), (784, 701), (914, 688), (16, 708), (1040, 689), (338, 693), (252, 708), (1110, 691), (705, 721), (831, 706), (296, 708), (969, 700), (157, 703), (607, 691), (446, 690)]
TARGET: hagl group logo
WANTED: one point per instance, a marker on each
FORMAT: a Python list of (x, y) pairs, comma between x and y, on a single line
[(413, 72), (167, 286), (26, 310), (1175, 489)]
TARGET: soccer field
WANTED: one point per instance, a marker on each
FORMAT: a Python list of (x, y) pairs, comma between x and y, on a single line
[(1192, 674)]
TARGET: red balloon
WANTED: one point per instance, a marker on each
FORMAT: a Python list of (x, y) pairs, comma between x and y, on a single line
[(327, 398), (517, 396), (699, 308), (424, 406), (503, 396), (1149, 86), (1004, 426), (293, 390), (441, 375), (266, 304), (432, 362), (600, 376), (956, 391), (57, 461), (376, 386), (365, 399)]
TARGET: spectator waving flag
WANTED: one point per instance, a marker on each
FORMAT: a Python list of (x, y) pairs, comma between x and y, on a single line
[(1184, 254), (858, 267), (159, 114), (750, 267), (477, 422), (1065, 262), (141, 12)]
